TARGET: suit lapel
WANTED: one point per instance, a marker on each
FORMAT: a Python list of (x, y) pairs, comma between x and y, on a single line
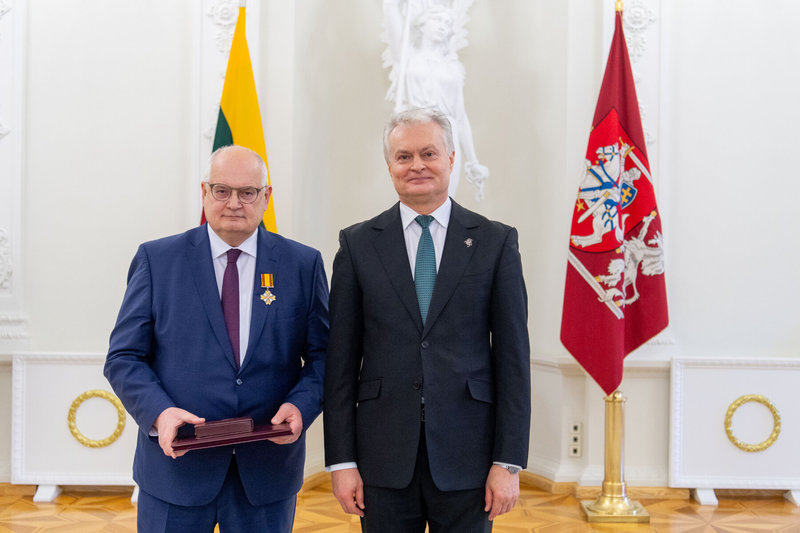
[(390, 246), (267, 260), (459, 246), (201, 266)]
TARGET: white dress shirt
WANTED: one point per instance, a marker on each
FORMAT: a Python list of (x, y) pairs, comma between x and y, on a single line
[(247, 271), (412, 231)]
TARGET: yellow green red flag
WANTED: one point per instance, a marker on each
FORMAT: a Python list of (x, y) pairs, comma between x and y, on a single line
[(239, 120)]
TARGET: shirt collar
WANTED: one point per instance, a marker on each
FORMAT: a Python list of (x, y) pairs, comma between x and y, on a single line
[(220, 247), (441, 214)]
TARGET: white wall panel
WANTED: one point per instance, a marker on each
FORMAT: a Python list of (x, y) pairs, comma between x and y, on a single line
[(734, 424), (61, 433)]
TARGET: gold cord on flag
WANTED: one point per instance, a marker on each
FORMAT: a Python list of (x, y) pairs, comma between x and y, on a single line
[(619, 6)]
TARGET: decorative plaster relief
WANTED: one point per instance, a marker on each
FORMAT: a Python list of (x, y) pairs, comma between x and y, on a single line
[(638, 18), (5, 260), (224, 14), (13, 327), (4, 8)]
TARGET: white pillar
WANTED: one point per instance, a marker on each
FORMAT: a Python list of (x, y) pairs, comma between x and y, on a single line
[(13, 322)]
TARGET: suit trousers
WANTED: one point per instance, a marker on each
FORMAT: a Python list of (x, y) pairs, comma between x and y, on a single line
[(407, 510), (231, 509)]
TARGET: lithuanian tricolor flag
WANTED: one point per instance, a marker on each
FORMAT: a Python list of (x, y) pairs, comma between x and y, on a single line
[(239, 119)]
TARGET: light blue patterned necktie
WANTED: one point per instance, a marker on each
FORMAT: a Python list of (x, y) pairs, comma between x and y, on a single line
[(425, 268)]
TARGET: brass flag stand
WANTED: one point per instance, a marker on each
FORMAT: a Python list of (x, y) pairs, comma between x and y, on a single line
[(613, 505), (600, 340)]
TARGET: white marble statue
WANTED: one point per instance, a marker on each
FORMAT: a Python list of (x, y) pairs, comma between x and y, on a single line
[(423, 37)]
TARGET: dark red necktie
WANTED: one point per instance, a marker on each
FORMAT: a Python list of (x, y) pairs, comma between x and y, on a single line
[(230, 301)]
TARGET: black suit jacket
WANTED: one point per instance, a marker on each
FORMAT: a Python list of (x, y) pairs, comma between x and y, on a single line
[(470, 360)]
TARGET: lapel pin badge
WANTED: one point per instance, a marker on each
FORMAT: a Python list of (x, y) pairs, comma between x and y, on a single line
[(267, 283), (468, 242)]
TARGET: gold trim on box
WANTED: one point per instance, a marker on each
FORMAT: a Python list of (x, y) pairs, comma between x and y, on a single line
[(73, 427), (776, 423)]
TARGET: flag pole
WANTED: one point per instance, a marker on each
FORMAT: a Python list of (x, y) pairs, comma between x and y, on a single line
[(613, 505), (584, 321)]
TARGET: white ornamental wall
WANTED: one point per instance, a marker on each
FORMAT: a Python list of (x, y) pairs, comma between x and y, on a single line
[(13, 319), (121, 120)]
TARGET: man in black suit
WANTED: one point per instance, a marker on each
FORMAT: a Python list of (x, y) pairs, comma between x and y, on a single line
[(427, 397)]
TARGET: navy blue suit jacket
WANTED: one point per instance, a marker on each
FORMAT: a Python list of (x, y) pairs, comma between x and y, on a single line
[(471, 359), (170, 347)]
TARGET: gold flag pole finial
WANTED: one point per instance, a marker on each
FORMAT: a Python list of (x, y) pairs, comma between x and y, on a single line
[(619, 6)]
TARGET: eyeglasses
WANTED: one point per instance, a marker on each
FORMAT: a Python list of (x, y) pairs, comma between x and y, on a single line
[(222, 193)]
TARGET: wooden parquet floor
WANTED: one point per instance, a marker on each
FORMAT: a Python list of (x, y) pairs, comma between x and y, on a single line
[(318, 512)]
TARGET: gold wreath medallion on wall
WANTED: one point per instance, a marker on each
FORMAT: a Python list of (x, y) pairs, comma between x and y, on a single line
[(776, 423), (73, 427)]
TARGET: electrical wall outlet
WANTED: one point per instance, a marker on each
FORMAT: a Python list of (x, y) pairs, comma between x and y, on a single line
[(575, 440)]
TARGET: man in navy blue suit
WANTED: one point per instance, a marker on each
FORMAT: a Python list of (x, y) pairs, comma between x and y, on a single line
[(427, 385), (177, 357)]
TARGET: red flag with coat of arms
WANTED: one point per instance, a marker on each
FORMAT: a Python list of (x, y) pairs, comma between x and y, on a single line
[(615, 296)]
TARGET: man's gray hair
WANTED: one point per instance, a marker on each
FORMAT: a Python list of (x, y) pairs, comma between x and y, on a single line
[(261, 165), (419, 115)]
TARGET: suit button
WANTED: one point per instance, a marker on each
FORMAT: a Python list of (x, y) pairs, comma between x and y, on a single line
[(425, 344), (238, 381), (417, 385)]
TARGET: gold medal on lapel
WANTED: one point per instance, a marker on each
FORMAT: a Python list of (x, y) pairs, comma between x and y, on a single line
[(267, 283)]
